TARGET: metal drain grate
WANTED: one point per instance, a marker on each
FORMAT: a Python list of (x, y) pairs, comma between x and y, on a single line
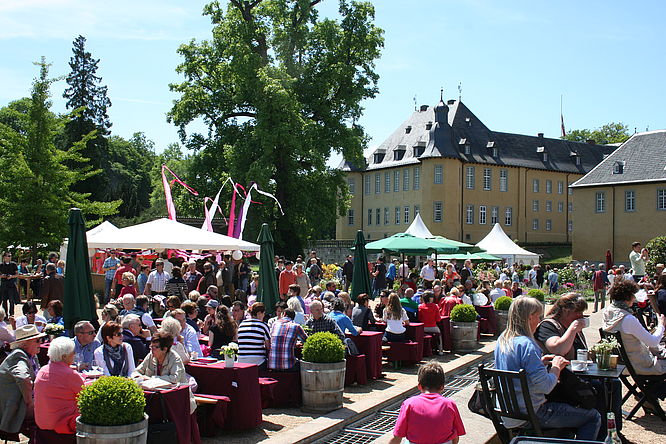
[(380, 423), (346, 437)]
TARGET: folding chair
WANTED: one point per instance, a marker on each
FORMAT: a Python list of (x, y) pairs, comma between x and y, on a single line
[(505, 405), (644, 385)]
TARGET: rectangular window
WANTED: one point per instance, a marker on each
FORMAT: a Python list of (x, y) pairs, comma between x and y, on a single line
[(600, 202), (405, 179), (378, 216), (406, 211), (387, 182), (549, 224), (378, 183), (439, 174), (549, 206), (535, 205), (494, 215), (569, 191), (504, 180), (396, 181), (535, 185), (535, 224), (560, 187), (482, 214), (370, 216), (560, 207), (570, 226), (570, 207), (437, 209), (469, 217), (350, 217), (386, 216), (661, 199), (351, 185), (397, 215), (417, 210), (487, 179), (469, 182), (508, 216), (629, 201), (549, 186), (417, 178), (367, 185)]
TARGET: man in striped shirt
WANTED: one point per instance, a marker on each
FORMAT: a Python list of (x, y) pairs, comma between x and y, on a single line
[(284, 334), (254, 337)]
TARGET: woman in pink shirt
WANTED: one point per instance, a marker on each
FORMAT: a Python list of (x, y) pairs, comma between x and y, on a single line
[(429, 418), (56, 388)]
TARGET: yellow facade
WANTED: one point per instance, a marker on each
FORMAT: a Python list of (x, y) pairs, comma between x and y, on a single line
[(629, 213), (493, 191)]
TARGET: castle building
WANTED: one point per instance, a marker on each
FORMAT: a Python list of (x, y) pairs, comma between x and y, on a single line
[(462, 177)]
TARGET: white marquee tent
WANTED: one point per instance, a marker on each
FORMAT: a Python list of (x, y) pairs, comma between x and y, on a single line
[(161, 234), (499, 244), (418, 228)]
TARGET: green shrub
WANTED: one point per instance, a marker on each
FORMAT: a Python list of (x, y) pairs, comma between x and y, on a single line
[(537, 294), (111, 400), (503, 303), (567, 276), (657, 249), (463, 313), (323, 347)]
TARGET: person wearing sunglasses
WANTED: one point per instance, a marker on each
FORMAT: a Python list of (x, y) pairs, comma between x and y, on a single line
[(85, 344), (30, 316), (115, 357)]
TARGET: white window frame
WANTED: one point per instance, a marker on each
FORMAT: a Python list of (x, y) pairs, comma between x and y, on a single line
[(417, 210), (560, 207), (438, 176), (535, 224), (560, 187), (570, 207), (378, 216), (549, 206), (535, 185), (600, 202), (387, 216), (487, 179), (508, 216), (369, 216), (351, 186), (387, 182), (504, 180), (416, 182), (494, 215), (378, 183), (535, 206), (549, 186), (405, 179), (437, 211), (570, 226), (406, 214), (397, 215), (661, 199), (350, 217), (482, 214), (396, 181), (630, 201), (470, 172), (549, 225), (469, 214), (366, 184)]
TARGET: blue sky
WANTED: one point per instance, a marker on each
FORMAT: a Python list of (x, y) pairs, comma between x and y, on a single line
[(514, 59)]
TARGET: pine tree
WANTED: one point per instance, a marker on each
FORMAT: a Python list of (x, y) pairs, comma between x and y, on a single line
[(87, 98)]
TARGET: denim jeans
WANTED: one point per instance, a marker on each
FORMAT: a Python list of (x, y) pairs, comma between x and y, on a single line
[(560, 415), (108, 283)]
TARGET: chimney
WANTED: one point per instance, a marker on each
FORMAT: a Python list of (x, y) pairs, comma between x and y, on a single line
[(424, 107), (591, 141), (451, 101), (540, 135)]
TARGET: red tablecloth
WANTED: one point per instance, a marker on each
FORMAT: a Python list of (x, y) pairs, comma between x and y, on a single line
[(487, 312), (240, 384), (369, 343), (42, 356), (287, 391), (177, 404), (445, 328), (415, 334)]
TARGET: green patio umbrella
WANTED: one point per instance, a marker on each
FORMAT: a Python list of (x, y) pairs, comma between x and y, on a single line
[(79, 303), (460, 246), (267, 292), (404, 243), (361, 277)]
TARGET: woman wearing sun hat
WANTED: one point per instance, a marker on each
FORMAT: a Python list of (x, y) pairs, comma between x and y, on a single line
[(17, 374)]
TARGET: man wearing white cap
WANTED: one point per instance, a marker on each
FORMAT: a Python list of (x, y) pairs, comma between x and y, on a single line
[(17, 374)]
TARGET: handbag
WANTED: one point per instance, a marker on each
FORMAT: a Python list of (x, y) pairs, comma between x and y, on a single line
[(574, 391), (163, 432), (477, 403)]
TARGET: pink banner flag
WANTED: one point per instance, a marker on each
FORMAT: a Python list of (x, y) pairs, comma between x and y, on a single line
[(246, 208), (171, 208)]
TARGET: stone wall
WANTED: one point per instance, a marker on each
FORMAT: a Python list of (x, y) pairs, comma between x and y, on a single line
[(331, 251)]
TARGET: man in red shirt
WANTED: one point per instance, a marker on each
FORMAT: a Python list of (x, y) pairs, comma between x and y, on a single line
[(126, 267), (287, 277)]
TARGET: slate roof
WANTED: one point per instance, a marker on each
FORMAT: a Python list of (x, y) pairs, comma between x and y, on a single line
[(447, 140), (642, 159)]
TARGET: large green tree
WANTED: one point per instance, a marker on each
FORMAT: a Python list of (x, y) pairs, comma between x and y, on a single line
[(609, 133), (88, 100), (37, 176), (279, 89)]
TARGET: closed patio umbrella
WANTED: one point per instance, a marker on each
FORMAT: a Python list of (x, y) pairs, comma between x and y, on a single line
[(267, 292), (361, 277), (79, 303)]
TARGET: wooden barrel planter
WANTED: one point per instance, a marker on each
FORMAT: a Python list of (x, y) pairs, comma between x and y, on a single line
[(464, 335), (322, 385), (136, 433), (502, 320)]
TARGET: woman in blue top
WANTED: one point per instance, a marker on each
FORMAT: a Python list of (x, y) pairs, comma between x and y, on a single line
[(516, 350)]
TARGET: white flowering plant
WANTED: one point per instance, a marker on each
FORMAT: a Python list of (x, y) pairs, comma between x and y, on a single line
[(230, 349)]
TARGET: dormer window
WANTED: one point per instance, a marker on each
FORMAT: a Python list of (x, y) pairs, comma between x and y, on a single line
[(428, 126), (399, 152), (542, 150), (408, 129), (576, 158), (462, 141), (618, 167), (468, 121), (379, 157), (493, 149), (419, 148), (468, 149)]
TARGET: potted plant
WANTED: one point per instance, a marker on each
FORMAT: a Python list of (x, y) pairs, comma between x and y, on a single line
[(602, 351), (54, 330), (464, 327), (502, 305), (229, 351), (112, 409), (322, 372), (539, 295)]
